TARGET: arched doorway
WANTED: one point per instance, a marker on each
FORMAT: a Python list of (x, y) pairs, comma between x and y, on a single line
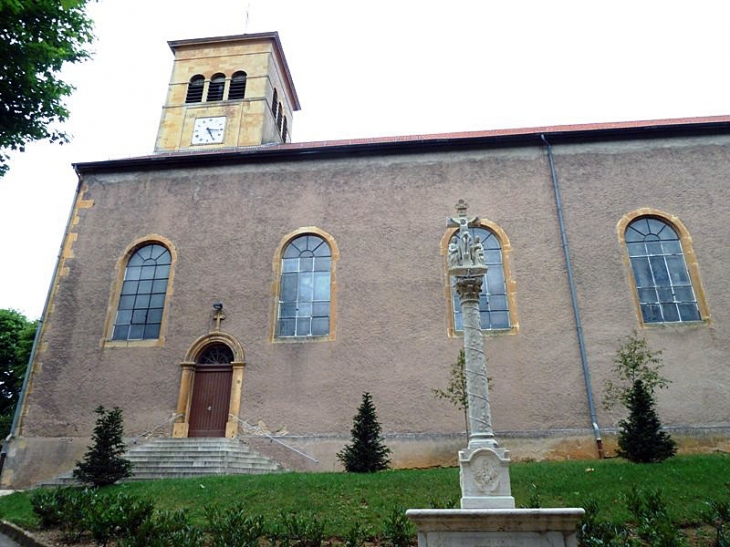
[(211, 395), (210, 388)]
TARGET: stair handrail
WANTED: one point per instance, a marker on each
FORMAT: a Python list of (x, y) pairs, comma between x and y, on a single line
[(258, 431), (151, 431)]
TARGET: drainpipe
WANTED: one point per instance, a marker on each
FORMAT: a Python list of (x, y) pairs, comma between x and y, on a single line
[(36, 339), (574, 299)]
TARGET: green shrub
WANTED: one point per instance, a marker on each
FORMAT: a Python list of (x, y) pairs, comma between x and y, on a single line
[(640, 437), (165, 529), (355, 536), (232, 527), (103, 463), (305, 530), (652, 525), (367, 453), (398, 530), (717, 515)]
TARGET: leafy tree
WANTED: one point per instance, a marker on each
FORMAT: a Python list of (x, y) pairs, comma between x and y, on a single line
[(640, 438), (36, 38), (455, 391), (16, 342), (367, 453), (104, 463)]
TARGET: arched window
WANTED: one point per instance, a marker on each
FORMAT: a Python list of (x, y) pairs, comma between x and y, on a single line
[(663, 282), (142, 298), (216, 87), (493, 299), (304, 292), (195, 89), (275, 103), (238, 86), (280, 117), (283, 130)]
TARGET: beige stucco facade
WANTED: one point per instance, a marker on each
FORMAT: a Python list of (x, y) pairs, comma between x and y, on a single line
[(391, 330), (226, 211)]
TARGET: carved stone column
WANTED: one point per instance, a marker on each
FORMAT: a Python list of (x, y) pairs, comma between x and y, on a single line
[(235, 403), (484, 465), (180, 427)]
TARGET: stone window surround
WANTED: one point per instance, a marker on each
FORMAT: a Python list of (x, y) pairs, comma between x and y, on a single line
[(510, 283), (276, 286), (116, 289), (690, 259)]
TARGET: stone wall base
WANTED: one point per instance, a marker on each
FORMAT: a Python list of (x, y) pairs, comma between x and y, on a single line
[(33, 459)]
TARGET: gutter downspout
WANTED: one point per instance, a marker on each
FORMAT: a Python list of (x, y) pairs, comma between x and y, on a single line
[(36, 340), (574, 299)]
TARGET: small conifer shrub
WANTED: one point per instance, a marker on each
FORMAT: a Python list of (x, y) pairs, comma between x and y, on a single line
[(640, 437), (104, 463), (367, 453)]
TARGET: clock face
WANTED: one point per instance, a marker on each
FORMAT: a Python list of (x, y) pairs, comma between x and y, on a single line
[(209, 130)]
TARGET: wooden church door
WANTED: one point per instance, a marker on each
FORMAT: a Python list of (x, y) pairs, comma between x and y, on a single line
[(211, 392)]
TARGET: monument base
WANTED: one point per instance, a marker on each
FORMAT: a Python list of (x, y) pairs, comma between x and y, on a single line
[(496, 527), (484, 477)]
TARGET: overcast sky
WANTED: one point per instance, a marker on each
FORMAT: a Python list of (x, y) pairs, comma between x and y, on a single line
[(366, 69)]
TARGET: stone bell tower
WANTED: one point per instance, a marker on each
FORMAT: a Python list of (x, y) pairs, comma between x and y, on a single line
[(226, 92)]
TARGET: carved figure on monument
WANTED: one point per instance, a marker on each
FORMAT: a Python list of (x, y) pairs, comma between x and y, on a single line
[(478, 251), (454, 254)]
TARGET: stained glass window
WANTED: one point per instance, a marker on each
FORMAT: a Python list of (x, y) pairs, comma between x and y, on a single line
[(662, 280), (142, 299), (493, 304), (304, 293)]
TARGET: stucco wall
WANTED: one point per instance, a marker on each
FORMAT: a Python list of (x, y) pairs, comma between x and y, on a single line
[(387, 215)]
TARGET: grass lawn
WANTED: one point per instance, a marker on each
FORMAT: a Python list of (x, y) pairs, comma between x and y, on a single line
[(687, 482)]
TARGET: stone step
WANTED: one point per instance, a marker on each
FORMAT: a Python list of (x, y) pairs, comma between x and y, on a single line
[(175, 458)]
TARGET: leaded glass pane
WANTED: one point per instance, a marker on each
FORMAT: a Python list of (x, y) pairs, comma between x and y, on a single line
[(669, 312), (660, 272), (126, 302), (689, 312), (500, 320), (642, 272), (493, 308), (151, 331), (154, 316), (286, 327), (121, 332), (144, 287), (142, 298), (288, 288), (305, 287), (130, 287), (320, 326), (304, 325), (132, 273)]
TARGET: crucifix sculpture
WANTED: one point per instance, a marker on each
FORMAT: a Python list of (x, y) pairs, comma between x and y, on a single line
[(484, 465)]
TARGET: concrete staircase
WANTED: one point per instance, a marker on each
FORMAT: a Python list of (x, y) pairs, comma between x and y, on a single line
[(176, 458)]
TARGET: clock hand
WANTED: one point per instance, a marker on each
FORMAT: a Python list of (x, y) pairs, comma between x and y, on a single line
[(210, 132)]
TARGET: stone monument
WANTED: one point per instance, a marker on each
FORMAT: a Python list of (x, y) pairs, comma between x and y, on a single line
[(487, 516)]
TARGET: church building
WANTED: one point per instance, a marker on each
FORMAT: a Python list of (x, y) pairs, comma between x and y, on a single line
[(236, 282)]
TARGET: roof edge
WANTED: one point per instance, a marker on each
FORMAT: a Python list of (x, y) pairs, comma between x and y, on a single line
[(507, 138)]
